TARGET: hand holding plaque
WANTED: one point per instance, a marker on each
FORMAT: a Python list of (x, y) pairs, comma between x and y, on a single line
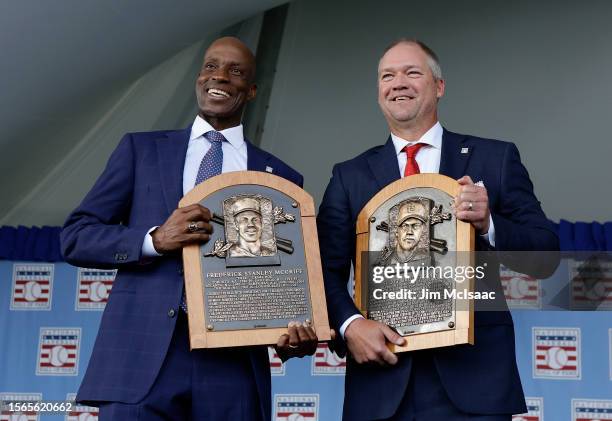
[(261, 268)]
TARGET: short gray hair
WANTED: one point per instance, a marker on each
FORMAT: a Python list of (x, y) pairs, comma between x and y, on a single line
[(432, 57)]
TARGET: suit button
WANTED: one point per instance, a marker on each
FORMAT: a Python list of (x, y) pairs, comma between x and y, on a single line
[(171, 313), (180, 271)]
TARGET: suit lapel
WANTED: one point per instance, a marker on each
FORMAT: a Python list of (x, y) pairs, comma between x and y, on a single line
[(171, 152), (455, 154), (383, 164), (256, 158)]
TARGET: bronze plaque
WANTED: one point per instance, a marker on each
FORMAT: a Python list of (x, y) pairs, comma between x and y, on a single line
[(261, 267), (407, 242)]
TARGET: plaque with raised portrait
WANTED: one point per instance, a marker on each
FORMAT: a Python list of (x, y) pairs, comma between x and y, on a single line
[(261, 267), (410, 248)]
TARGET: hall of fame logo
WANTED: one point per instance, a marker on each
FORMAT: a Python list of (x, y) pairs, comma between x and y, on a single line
[(521, 291), (277, 368), (58, 351), (591, 410), (93, 288), (590, 284), (32, 285), (325, 362), (535, 410), (5, 415), (556, 353), (81, 412), (296, 407)]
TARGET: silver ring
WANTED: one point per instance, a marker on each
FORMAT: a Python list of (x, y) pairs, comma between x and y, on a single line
[(293, 346), (192, 226), (470, 206)]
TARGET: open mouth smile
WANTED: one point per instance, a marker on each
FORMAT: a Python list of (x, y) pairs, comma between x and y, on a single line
[(217, 93)]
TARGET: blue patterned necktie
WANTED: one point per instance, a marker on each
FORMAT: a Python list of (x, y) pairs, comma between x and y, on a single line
[(211, 165)]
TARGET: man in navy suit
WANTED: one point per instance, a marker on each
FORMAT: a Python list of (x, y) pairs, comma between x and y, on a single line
[(479, 382), (141, 366)]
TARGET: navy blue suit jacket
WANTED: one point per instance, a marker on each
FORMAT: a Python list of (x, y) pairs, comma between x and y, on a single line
[(140, 187), (478, 379)]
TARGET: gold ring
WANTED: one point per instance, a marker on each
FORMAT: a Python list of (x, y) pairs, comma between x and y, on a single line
[(192, 226)]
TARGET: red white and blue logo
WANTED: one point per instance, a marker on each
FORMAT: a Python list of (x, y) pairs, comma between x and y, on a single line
[(277, 368), (296, 407), (32, 286), (327, 363), (93, 288), (58, 351), (6, 415), (81, 412), (591, 284), (556, 353), (521, 291), (535, 410), (591, 410)]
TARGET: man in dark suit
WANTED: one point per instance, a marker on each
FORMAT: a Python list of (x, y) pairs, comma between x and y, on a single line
[(464, 382), (141, 366)]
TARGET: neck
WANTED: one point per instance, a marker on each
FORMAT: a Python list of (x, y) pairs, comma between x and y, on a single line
[(253, 247), (221, 123), (413, 132)]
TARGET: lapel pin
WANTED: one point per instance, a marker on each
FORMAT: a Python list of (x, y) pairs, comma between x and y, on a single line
[(465, 150), (269, 169)]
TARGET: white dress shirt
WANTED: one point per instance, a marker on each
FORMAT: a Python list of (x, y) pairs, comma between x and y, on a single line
[(428, 158), (234, 159)]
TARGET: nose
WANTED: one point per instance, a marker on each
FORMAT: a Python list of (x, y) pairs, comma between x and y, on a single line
[(400, 81), (220, 74)]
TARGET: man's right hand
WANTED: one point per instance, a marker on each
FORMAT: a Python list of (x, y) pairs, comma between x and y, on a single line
[(175, 233), (367, 342)]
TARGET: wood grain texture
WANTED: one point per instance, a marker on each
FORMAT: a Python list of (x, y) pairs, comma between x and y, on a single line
[(200, 337), (465, 240)]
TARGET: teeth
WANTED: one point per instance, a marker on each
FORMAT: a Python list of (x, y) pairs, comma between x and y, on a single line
[(401, 98), (218, 92)]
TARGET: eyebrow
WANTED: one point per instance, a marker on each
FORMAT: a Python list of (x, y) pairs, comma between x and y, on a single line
[(404, 67)]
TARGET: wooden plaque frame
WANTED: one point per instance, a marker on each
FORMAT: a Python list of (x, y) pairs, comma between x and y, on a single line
[(463, 332), (199, 336)]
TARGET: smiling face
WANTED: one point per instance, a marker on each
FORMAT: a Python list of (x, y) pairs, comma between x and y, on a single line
[(408, 92), (249, 226), (225, 82)]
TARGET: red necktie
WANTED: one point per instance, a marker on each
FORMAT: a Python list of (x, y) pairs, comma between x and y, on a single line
[(411, 165)]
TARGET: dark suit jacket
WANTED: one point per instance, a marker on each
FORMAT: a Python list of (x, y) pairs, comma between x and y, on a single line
[(139, 189), (478, 379)]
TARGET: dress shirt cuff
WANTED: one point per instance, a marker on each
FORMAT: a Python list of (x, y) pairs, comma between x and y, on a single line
[(148, 249), (348, 321), (490, 235)]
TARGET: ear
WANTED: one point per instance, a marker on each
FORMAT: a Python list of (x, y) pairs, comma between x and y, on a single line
[(440, 85), (252, 92)]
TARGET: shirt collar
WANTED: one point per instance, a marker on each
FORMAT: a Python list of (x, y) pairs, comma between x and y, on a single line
[(432, 137), (234, 135)]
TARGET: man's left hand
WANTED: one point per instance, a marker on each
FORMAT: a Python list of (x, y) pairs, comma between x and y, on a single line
[(301, 340), (472, 204)]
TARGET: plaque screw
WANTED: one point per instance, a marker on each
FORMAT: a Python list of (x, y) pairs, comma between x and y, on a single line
[(294, 204), (372, 219), (210, 327), (451, 324)]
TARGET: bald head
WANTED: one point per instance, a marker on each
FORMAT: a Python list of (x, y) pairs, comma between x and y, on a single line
[(225, 43)]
